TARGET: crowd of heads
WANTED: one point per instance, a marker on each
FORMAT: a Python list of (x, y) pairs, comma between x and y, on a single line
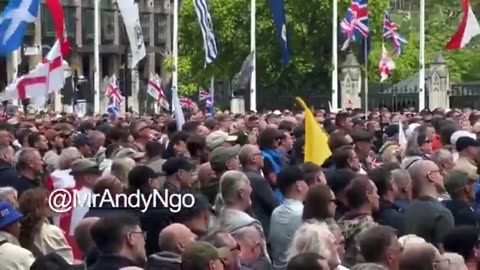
[(398, 192)]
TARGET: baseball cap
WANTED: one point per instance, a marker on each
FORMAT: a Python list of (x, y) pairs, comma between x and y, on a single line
[(455, 180), (392, 130), (199, 254), (8, 215), (461, 133), (465, 142), (129, 153), (358, 121), (140, 175), (217, 138), (174, 164), (85, 165), (277, 113), (81, 140), (222, 154)]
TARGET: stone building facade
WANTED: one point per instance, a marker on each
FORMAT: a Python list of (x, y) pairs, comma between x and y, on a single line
[(156, 20)]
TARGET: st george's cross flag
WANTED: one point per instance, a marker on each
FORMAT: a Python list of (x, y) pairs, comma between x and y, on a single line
[(386, 65), (155, 90), (467, 29)]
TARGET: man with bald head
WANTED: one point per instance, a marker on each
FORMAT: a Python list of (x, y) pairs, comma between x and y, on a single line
[(104, 184), (263, 200), (426, 216), (420, 256), (173, 240)]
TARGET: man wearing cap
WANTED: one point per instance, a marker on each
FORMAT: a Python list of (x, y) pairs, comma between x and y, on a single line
[(85, 172), (179, 174), (468, 151), (82, 143), (221, 159), (462, 191), (202, 255), (219, 138), (362, 141), (12, 255)]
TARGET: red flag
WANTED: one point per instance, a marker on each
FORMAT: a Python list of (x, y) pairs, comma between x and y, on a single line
[(467, 29), (56, 11)]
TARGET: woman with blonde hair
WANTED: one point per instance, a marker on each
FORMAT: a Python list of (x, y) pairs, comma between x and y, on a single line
[(120, 169), (36, 232)]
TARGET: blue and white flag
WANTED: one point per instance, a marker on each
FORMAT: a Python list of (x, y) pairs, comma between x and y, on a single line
[(113, 108), (14, 21), (278, 12), (205, 21)]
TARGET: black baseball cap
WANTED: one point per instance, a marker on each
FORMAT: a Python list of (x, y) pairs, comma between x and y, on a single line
[(465, 142), (81, 140), (139, 176), (174, 164)]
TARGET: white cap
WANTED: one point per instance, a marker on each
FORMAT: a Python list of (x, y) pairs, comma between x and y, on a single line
[(277, 112), (461, 133)]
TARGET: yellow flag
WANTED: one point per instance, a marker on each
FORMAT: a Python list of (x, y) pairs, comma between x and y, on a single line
[(316, 140)]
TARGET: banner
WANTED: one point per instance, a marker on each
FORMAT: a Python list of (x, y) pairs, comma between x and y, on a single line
[(131, 19)]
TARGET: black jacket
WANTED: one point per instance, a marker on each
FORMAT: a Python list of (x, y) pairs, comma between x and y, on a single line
[(164, 260), (263, 200), (390, 215), (462, 213), (8, 175), (111, 262)]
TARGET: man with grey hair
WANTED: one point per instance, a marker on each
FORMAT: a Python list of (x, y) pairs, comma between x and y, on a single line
[(426, 216), (315, 237), (402, 180), (232, 203), (61, 177), (30, 169), (462, 192), (444, 160), (263, 200), (8, 174)]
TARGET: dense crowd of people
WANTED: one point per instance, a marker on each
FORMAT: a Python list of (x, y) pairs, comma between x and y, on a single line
[(400, 191)]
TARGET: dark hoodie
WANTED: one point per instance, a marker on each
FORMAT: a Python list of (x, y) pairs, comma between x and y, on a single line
[(164, 260), (8, 175)]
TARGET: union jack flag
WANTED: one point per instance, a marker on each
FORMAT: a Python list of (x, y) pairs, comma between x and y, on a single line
[(186, 102), (207, 97), (112, 91), (390, 32), (355, 24)]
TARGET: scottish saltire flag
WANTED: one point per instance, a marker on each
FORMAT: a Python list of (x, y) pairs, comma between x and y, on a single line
[(205, 21), (390, 32), (113, 91), (355, 24), (278, 11), (14, 21)]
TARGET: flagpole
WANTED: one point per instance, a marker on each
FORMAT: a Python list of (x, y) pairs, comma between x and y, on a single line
[(335, 57), (96, 52), (212, 93), (175, 51), (366, 74), (253, 78), (421, 59)]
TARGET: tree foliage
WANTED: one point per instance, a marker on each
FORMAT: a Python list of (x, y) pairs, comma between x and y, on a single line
[(309, 27)]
